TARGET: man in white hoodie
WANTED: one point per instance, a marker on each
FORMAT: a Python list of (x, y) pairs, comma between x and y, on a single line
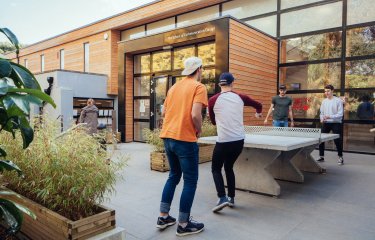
[(331, 113)]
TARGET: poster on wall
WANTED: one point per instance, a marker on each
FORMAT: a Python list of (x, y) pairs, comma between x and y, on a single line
[(142, 107)]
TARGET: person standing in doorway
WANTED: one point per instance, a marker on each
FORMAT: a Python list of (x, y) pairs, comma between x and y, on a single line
[(281, 106), (226, 111), (182, 112), (89, 115), (331, 113)]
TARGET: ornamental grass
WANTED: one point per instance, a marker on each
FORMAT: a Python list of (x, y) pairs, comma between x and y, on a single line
[(65, 173)]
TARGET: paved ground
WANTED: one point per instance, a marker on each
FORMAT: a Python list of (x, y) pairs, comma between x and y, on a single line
[(337, 205)]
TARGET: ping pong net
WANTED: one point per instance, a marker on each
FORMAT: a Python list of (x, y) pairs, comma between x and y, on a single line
[(284, 131)]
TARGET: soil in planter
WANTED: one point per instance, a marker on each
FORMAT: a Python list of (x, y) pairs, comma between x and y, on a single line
[(4, 236)]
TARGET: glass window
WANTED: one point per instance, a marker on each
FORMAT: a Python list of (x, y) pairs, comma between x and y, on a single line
[(142, 86), (360, 74), (142, 108), (245, 8), (142, 63), (311, 19), (307, 105), (357, 137), (203, 15), (360, 105), (207, 53), (138, 130), (42, 63), (266, 24), (86, 49), (360, 11), (62, 59), (360, 41), (133, 33), (180, 54), (161, 61), (314, 47), (294, 3), (161, 26), (208, 79), (312, 76)]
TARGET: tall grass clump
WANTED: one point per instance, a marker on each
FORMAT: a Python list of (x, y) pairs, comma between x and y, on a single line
[(152, 138), (65, 173)]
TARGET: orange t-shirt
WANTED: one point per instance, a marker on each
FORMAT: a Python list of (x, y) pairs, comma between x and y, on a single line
[(178, 122)]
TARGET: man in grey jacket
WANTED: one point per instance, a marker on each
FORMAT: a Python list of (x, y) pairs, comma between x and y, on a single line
[(89, 115), (331, 113)]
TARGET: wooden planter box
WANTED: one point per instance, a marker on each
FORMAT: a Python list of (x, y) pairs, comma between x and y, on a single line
[(159, 161), (50, 225)]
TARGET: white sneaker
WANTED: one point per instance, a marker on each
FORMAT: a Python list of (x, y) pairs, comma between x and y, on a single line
[(340, 161)]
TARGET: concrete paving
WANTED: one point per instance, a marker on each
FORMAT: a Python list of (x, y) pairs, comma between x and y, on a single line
[(336, 205)]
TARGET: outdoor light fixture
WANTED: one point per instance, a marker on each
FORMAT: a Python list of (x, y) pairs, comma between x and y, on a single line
[(50, 84), (167, 47)]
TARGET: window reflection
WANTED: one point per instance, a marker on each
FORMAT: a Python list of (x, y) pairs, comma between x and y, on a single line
[(357, 137), (360, 41), (307, 105), (360, 105), (360, 11), (314, 47), (245, 8), (360, 74), (142, 108), (142, 86), (181, 54), (142, 63), (161, 61), (138, 130), (294, 3), (207, 53), (312, 76), (208, 79)]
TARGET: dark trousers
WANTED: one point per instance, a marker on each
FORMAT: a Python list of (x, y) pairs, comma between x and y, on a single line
[(225, 154), (335, 128)]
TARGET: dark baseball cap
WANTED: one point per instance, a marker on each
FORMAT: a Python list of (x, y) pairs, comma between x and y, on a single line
[(282, 86), (226, 78)]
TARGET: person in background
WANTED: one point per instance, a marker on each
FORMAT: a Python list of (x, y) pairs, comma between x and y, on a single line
[(226, 111), (331, 114), (281, 106), (365, 110), (182, 125), (89, 115)]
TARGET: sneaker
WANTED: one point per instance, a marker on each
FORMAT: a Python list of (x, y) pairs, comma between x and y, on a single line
[(192, 227), (231, 202), (321, 159), (340, 161), (163, 223), (221, 203)]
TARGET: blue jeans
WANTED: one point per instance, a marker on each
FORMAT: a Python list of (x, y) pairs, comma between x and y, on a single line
[(183, 159), (280, 123)]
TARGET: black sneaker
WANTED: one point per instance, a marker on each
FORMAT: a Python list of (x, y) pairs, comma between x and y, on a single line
[(321, 159), (192, 227), (231, 202), (163, 223)]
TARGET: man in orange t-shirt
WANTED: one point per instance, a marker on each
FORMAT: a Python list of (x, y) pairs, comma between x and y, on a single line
[(182, 125)]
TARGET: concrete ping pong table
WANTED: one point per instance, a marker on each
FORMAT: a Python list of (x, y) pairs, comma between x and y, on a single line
[(275, 153)]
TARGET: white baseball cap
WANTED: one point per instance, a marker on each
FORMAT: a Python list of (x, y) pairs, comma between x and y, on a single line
[(191, 64)]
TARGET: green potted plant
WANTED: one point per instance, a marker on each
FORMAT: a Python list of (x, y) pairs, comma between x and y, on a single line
[(18, 89), (66, 180)]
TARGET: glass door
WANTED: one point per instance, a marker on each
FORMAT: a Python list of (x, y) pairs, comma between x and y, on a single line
[(159, 86)]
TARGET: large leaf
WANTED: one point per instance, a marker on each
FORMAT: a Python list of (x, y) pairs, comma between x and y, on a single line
[(12, 38), (9, 166), (2, 152), (11, 215), (25, 76), (39, 94), (26, 132), (25, 210), (19, 100), (5, 68), (3, 86)]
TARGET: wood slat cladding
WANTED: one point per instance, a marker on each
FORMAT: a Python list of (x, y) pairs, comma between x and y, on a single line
[(129, 98), (253, 62)]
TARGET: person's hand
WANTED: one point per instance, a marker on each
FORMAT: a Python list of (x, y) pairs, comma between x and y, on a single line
[(265, 122), (292, 123), (198, 133), (258, 115)]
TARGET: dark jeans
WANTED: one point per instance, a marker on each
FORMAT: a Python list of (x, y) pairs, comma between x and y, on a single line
[(225, 154), (183, 159), (280, 123), (335, 128)]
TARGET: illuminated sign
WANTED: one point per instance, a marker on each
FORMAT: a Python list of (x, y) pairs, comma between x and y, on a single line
[(190, 33)]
